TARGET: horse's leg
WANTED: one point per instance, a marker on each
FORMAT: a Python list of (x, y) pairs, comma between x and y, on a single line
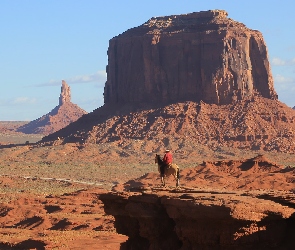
[(162, 173), (177, 178), (163, 181)]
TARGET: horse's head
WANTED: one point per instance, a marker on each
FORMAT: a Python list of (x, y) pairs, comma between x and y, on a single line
[(158, 159)]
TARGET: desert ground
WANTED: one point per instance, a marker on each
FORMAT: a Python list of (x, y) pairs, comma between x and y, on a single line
[(50, 194)]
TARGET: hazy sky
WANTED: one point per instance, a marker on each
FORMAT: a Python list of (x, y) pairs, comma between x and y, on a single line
[(45, 41)]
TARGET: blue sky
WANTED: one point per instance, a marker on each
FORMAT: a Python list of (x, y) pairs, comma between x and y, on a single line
[(45, 41)]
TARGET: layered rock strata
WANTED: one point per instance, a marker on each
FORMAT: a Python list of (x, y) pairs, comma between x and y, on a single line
[(198, 56), (190, 219)]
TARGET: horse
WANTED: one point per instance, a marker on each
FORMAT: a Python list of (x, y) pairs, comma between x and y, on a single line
[(173, 169)]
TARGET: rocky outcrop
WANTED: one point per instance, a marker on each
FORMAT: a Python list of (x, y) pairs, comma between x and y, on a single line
[(262, 124), (61, 116), (229, 204), (198, 56), (257, 173), (191, 219)]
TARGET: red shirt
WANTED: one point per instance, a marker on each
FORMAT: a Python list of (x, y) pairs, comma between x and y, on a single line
[(167, 158)]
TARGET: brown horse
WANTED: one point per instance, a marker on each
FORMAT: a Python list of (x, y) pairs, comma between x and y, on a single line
[(171, 170)]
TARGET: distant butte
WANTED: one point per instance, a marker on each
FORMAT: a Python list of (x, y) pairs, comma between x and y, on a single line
[(61, 116), (201, 76)]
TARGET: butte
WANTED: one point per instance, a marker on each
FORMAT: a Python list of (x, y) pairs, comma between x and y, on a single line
[(181, 80)]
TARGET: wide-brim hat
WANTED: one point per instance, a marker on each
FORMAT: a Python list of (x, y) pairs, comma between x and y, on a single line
[(167, 150)]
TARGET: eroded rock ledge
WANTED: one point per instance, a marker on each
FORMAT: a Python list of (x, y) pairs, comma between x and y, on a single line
[(203, 219)]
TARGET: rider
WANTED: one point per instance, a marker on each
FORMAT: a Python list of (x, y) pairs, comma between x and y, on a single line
[(167, 160)]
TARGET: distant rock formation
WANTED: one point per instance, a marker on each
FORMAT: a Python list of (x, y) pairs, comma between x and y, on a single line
[(61, 116), (192, 57), (167, 78), (65, 95)]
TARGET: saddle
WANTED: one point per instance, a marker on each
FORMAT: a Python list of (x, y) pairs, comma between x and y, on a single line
[(165, 167), (169, 165)]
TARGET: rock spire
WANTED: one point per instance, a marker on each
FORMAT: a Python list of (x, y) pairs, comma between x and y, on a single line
[(65, 95), (59, 117)]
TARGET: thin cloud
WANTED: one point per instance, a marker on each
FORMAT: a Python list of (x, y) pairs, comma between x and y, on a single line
[(283, 83), (50, 83), (282, 79), (280, 62), (23, 100), (18, 101), (99, 77)]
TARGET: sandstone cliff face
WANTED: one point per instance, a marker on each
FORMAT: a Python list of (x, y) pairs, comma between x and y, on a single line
[(192, 219), (59, 117), (198, 56)]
